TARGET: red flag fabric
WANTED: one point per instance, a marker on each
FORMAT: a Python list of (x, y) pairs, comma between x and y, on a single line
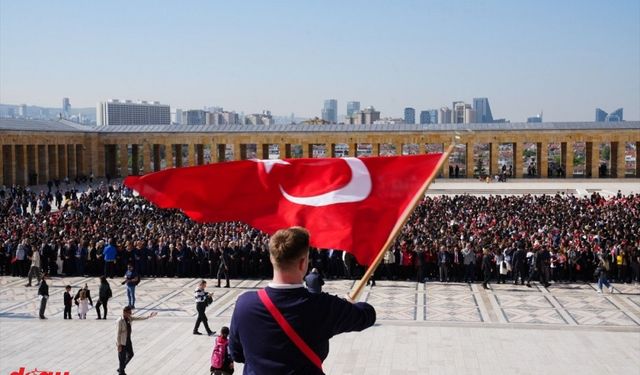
[(350, 204)]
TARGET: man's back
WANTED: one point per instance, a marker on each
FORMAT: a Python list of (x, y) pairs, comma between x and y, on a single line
[(257, 340)]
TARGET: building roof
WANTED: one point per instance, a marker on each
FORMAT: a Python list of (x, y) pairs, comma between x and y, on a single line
[(67, 126)]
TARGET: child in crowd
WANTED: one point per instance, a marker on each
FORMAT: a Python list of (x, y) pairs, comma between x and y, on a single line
[(221, 362), (67, 302)]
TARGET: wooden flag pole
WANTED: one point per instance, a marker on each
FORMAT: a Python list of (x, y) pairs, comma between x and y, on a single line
[(355, 293)]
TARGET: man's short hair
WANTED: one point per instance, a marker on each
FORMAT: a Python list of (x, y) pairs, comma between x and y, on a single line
[(288, 245)]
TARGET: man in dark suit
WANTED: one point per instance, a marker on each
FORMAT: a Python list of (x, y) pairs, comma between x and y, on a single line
[(314, 317), (314, 281)]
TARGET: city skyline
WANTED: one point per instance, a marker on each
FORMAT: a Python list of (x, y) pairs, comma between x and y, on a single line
[(290, 57)]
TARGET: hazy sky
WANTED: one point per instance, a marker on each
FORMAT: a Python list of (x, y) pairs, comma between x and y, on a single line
[(562, 57)]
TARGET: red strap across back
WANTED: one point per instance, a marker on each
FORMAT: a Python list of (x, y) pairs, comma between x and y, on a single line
[(286, 327)]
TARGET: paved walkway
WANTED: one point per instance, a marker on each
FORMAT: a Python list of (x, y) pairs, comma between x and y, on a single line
[(431, 328)]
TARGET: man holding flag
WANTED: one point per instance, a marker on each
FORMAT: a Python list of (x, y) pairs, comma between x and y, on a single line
[(293, 324), (356, 205)]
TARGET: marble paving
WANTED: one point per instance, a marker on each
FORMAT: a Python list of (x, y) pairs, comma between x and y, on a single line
[(449, 319)]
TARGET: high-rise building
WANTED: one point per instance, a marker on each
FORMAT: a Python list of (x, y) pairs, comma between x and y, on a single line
[(352, 107), (444, 115), (462, 113), (429, 116), (409, 115), (116, 112), (177, 117), (615, 116), (330, 111), (482, 110), (264, 118), (364, 117), (66, 108), (22, 111), (195, 117), (535, 119)]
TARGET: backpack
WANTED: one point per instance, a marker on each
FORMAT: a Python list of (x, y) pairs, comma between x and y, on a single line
[(219, 354)]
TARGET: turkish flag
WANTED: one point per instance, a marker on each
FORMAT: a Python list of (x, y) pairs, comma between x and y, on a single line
[(350, 204)]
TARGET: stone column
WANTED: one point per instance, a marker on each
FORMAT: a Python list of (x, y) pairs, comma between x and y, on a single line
[(592, 165), (2, 161), (353, 149), (307, 150), (377, 149), (398, 149), (42, 160), (469, 160), (618, 165), (422, 149), (445, 165), (62, 162), (21, 164), (191, 154), (544, 159), (518, 147), (53, 161), (168, 155), (135, 159), (124, 160), (569, 160), (14, 164), (494, 155), (71, 154), (332, 151)]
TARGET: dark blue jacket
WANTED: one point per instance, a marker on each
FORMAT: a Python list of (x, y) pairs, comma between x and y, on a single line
[(314, 282), (257, 340)]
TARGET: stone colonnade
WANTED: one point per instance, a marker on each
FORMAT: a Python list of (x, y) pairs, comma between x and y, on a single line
[(35, 158)]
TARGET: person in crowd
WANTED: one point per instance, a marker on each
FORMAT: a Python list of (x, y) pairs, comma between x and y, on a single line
[(203, 299), (314, 281), (131, 280), (109, 255), (124, 345), (68, 302), (221, 361), (43, 294), (314, 317), (104, 293)]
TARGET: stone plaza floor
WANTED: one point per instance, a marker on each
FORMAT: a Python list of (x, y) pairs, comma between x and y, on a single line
[(432, 328)]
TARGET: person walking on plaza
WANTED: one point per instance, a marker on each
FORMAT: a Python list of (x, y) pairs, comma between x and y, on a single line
[(34, 270), (103, 297), (203, 299), (486, 267), (294, 325), (123, 337), (314, 281), (43, 294), (224, 263), (602, 273), (131, 280), (221, 362), (68, 302), (83, 300)]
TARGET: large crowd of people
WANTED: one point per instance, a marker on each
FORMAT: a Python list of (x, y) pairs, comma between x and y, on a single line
[(527, 238)]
